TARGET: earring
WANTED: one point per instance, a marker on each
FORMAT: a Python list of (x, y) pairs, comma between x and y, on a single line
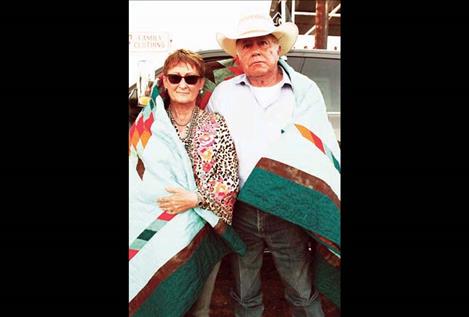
[(201, 91)]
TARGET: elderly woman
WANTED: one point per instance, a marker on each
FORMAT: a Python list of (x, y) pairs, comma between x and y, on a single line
[(183, 183), (205, 136), (209, 146)]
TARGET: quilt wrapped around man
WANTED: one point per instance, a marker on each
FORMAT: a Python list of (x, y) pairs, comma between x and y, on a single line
[(298, 178), (170, 256)]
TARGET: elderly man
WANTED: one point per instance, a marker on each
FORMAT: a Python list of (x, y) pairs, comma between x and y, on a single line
[(258, 106)]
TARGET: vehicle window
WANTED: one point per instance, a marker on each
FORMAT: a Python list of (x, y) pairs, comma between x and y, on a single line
[(325, 73), (296, 62)]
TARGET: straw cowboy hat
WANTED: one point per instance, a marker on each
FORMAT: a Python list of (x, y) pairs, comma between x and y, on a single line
[(259, 25)]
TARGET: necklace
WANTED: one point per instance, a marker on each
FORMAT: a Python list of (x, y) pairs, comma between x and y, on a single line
[(175, 121), (191, 121)]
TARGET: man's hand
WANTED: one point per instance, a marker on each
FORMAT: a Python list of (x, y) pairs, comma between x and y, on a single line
[(179, 201)]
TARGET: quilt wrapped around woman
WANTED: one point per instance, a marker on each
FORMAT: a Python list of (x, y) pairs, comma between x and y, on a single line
[(170, 256)]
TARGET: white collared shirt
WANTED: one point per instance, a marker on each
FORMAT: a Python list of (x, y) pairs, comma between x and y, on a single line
[(256, 116)]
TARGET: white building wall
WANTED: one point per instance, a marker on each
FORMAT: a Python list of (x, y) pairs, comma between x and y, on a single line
[(169, 25)]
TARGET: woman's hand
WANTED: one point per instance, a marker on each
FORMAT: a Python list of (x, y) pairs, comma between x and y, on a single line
[(180, 200)]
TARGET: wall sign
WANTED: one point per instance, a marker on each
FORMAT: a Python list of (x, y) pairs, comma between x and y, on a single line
[(149, 41)]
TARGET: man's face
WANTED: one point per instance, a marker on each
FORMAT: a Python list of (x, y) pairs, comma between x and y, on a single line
[(258, 56)]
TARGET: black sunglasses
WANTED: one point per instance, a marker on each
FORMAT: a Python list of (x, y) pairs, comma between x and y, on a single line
[(176, 79)]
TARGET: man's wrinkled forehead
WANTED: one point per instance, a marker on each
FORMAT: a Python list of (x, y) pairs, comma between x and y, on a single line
[(270, 37)]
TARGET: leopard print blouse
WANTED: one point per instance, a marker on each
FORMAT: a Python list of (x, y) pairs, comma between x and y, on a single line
[(214, 161)]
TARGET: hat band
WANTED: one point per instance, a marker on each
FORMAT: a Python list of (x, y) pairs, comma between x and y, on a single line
[(255, 32)]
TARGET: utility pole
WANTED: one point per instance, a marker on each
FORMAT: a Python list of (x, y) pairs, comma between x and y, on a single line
[(322, 23)]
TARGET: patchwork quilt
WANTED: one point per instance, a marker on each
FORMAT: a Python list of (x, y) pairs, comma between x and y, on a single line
[(298, 178), (170, 256)]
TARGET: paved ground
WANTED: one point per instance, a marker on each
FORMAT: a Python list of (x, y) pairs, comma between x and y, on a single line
[(274, 302)]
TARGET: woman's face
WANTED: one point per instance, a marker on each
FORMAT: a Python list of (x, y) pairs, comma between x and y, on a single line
[(183, 92)]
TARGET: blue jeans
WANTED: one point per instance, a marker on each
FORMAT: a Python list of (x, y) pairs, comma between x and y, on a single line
[(289, 246)]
